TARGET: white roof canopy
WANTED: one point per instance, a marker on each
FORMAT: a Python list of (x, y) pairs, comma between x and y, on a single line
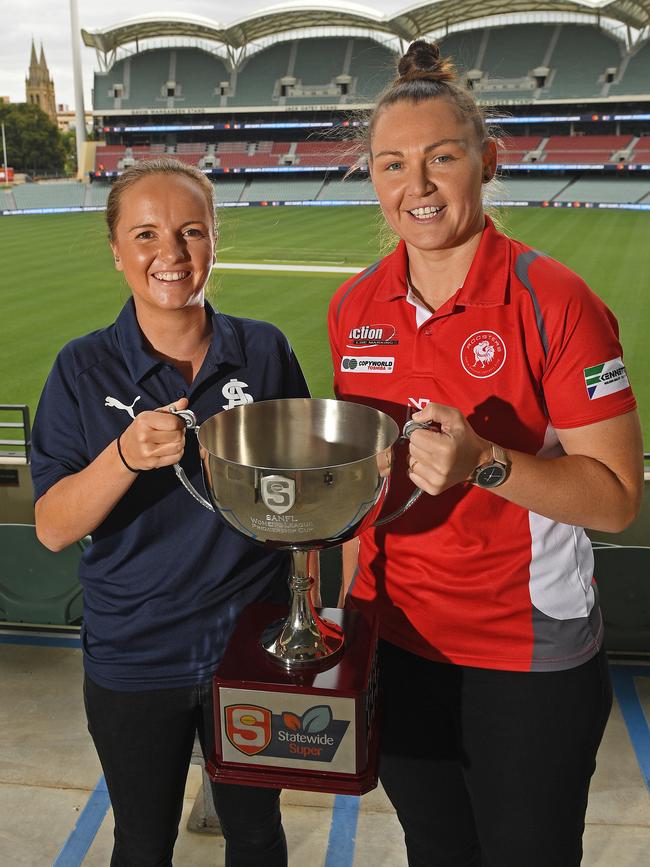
[(408, 24)]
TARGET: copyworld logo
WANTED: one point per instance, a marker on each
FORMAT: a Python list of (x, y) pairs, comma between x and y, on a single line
[(367, 364)]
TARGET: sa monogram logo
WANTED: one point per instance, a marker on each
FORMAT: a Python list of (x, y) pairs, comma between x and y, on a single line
[(248, 728), (234, 393), (483, 354), (278, 493)]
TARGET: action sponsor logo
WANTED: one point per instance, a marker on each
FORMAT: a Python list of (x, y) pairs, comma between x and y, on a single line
[(367, 364), (234, 393), (606, 378), (483, 354), (314, 736), (373, 335)]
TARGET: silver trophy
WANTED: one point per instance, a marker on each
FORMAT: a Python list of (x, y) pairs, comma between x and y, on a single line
[(298, 474)]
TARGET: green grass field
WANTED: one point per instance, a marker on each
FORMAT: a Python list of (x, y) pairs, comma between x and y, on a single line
[(59, 282)]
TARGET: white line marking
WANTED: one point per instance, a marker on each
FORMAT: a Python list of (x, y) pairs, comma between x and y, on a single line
[(321, 269)]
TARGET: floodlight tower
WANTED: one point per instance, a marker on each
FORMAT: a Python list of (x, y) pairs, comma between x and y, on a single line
[(80, 118)]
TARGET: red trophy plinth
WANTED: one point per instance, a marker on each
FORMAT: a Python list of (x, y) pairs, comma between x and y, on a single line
[(297, 729)]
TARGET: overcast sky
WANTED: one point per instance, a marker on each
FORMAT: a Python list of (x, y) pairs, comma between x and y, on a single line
[(48, 21)]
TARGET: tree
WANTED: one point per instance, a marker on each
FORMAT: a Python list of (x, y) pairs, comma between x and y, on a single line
[(34, 143)]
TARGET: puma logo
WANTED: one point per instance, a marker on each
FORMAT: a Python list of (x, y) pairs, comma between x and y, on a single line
[(113, 401)]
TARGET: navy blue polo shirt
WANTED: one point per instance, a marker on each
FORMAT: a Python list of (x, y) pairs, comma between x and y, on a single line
[(164, 579)]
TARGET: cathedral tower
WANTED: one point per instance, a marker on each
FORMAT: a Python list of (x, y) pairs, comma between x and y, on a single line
[(39, 87)]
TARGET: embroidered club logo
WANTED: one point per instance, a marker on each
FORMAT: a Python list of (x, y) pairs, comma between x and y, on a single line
[(483, 354), (278, 493), (234, 393), (606, 378), (372, 335), (113, 401), (248, 728), (315, 735)]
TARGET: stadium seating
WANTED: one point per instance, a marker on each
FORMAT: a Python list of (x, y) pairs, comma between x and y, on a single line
[(463, 48), (97, 195), (327, 153), (281, 190), (372, 67), (226, 190), (514, 51), (641, 152), (584, 149), (142, 80), (198, 76), (617, 189), (107, 158), (63, 194), (529, 189), (36, 585), (636, 74), (513, 149), (352, 189), (256, 80), (579, 60), (319, 61)]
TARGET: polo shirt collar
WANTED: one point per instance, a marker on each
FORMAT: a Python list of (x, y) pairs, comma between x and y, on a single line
[(225, 346), (486, 282)]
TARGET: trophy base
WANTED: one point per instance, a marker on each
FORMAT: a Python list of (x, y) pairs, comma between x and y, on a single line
[(314, 728), (305, 649)]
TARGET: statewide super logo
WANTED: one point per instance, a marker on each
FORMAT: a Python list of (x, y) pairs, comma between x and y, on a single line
[(483, 354), (606, 378), (367, 364), (372, 335), (314, 736)]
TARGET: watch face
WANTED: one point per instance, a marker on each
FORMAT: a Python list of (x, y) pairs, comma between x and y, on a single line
[(491, 476)]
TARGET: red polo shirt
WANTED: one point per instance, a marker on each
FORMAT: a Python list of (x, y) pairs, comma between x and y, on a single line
[(522, 348)]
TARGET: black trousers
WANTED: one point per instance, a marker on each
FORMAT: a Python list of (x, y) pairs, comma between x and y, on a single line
[(490, 768), (144, 741)]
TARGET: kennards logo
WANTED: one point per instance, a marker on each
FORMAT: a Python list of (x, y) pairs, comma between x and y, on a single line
[(606, 378), (372, 335)]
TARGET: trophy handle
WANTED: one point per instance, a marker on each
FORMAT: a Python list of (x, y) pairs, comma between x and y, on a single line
[(409, 427), (190, 423)]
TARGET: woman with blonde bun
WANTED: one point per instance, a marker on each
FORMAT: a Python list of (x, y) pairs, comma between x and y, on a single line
[(495, 683)]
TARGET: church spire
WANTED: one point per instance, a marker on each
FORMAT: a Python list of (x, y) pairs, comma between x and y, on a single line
[(39, 87)]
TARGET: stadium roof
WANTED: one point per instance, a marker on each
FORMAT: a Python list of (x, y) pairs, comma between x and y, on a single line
[(408, 24)]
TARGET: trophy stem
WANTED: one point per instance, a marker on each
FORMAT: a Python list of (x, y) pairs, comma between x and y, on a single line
[(303, 639)]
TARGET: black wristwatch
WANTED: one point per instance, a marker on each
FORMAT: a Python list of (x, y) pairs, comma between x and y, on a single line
[(493, 473)]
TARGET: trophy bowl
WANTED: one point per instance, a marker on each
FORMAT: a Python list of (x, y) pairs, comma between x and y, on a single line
[(299, 474)]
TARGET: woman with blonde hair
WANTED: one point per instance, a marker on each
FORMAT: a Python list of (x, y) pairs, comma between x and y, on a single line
[(164, 580)]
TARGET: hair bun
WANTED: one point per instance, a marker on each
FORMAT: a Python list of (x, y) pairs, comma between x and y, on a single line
[(422, 61)]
